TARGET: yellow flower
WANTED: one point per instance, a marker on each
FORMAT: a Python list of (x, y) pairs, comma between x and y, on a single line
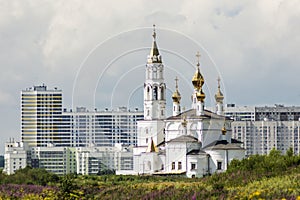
[(257, 193)]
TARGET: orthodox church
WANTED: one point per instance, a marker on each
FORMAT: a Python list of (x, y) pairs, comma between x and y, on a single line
[(192, 143)]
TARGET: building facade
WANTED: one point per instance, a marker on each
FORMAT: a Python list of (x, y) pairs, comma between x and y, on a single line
[(41, 112), (193, 143), (102, 128), (15, 157), (63, 142), (263, 128)]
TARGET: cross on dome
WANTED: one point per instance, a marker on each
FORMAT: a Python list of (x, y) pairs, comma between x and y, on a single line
[(198, 58), (154, 33), (176, 82)]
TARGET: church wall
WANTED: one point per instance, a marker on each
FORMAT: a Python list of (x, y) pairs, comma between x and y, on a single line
[(225, 157), (172, 129), (150, 129), (147, 163), (215, 157), (212, 131), (175, 152), (201, 165)]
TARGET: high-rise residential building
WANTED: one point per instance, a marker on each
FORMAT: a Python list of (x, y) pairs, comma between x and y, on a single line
[(262, 128), (41, 114), (49, 135), (102, 128)]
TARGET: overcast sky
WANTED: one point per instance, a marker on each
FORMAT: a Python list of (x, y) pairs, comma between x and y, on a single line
[(95, 51)]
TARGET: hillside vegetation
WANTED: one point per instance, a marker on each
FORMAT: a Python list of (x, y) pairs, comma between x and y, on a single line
[(272, 176)]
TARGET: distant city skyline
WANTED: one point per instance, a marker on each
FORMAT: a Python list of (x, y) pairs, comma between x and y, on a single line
[(251, 45)]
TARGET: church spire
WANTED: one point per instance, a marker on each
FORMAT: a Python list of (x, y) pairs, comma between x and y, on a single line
[(154, 56), (154, 87)]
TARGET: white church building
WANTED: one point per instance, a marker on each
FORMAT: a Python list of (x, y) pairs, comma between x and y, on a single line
[(192, 143)]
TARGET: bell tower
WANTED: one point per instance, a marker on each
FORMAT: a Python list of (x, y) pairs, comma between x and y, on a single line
[(152, 127), (154, 86)]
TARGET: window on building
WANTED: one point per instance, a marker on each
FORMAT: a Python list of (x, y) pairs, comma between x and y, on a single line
[(173, 165), (179, 166), (162, 93), (147, 140), (193, 166), (219, 165), (155, 93)]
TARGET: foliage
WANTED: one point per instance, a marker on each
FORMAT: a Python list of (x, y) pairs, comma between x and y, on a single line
[(272, 176), (28, 175)]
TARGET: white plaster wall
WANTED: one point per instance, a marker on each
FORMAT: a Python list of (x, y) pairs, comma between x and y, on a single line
[(175, 152), (150, 129), (201, 165)]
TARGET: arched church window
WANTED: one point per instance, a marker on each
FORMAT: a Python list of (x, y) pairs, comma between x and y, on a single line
[(162, 93), (148, 92), (155, 93), (148, 112)]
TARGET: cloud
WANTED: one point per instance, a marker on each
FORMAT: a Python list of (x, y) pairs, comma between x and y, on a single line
[(254, 44)]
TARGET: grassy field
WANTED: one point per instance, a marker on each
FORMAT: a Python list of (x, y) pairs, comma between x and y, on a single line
[(259, 177)]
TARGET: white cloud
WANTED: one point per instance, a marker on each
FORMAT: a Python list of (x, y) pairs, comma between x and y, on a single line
[(254, 43)]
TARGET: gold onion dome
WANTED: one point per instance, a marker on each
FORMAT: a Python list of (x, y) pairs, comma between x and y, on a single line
[(198, 79), (219, 95), (176, 95), (200, 96), (224, 130)]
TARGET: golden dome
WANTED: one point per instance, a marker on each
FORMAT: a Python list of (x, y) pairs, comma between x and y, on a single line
[(219, 95), (224, 130), (200, 96), (176, 95), (198, 79)]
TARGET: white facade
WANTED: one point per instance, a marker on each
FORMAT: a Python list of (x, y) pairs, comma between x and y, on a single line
[(94, 160), (260, 137), (15, 156), (186, 141), (262, 128), (58, 160), (103, 128)]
